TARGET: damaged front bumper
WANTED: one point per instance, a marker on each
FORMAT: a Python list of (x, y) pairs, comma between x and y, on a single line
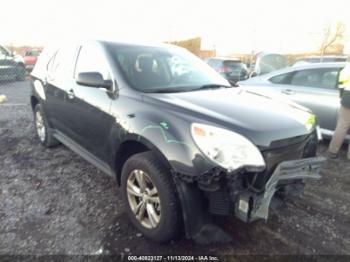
[(227, 195), (253, 206)]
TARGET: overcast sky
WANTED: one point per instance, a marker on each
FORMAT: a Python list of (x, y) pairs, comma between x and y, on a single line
[(229, 26)]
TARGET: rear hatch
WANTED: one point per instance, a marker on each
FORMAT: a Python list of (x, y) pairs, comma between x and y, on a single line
[(268, 62), (234, 70)]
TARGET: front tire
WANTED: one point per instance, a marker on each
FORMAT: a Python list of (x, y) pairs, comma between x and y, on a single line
[(150, 196), (43, 131)]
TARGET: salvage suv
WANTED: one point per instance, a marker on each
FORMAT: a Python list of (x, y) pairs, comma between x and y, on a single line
[(182, 143)]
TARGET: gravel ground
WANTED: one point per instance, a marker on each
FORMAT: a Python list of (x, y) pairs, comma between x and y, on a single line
[(54, 202)]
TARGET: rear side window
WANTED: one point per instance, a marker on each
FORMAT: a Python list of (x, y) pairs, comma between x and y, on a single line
[(51, 63), (323, 78), (61, 65), (45, 60)]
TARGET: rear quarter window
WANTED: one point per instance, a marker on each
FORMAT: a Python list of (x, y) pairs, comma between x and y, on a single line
[(62, 66), (41, 66)]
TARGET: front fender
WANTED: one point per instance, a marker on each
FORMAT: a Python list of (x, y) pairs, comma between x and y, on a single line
[(168, 136)]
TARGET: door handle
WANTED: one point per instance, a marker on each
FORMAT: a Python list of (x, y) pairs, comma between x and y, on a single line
[(70, 94), (288, 91)]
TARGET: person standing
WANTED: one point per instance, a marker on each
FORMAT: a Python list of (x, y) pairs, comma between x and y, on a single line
[(343, 123)]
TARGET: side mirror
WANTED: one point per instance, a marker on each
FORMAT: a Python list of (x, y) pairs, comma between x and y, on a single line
[(93, 79)]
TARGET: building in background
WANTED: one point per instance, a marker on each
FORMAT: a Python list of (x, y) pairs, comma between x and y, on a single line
[(194, 45)]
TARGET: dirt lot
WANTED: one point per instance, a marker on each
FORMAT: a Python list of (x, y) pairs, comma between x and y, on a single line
[(54, 202)]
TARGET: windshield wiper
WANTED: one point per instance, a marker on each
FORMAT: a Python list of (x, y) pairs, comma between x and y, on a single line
[(166, 90), (185, 89), (212, 86)]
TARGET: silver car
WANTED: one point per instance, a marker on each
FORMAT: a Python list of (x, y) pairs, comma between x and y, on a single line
[(314, 86)]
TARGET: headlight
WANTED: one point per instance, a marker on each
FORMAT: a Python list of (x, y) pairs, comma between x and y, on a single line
[(228, 149)]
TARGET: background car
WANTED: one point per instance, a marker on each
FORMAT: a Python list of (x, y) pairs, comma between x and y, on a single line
[(30, 58), (320, 59), (314, 86), (232, 69), (11, 65), (266, 62)]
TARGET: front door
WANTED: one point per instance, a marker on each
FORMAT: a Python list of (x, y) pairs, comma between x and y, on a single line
[(90, 117)]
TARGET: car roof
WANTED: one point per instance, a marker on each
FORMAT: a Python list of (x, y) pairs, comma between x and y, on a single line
[(132, 43), (325, 56), (297, 68), (226, 58), (319, 65), (308, 66), (81, 41)]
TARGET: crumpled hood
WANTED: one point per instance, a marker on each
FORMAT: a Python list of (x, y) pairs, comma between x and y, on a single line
[(260, 118)]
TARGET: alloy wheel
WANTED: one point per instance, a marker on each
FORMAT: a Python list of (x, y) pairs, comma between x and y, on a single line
[(143, 198), (40, 126)]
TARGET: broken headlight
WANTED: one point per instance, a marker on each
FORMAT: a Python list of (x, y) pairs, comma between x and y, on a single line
[(228, 149)]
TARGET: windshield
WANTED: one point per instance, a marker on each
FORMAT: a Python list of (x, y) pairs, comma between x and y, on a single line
[(155, 69)]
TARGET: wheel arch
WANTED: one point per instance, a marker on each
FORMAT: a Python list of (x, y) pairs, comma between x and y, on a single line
[(131, 147), (33, 101)]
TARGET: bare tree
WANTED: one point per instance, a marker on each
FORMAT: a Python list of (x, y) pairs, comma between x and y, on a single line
[(330, 37)]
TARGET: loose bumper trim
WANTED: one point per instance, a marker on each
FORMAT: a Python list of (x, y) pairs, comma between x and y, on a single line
[(307, 168)]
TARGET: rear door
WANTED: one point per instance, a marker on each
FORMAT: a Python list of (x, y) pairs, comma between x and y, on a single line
[(316, 89), (58, 82)]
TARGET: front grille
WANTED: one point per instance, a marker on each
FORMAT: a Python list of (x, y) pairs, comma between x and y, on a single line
[(287, 142), (294, 148)]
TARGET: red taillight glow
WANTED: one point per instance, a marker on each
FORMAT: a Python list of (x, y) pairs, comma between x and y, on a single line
[(224, 69)]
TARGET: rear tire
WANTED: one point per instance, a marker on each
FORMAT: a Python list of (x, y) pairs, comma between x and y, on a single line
[(42, 128), (157, 184)]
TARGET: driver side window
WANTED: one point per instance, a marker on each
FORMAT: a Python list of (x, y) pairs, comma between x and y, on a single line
[(92, 59)]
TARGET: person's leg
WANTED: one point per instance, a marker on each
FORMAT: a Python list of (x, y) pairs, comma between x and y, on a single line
[(341, 130)]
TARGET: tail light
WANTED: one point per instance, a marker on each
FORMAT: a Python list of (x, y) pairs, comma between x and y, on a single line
[(224, 69)]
